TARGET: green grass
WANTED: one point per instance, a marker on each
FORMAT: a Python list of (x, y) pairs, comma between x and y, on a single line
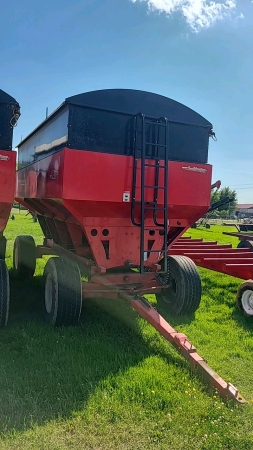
[(113, 382)]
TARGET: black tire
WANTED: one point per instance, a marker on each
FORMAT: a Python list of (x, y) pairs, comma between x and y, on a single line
[(243, 298), (4, 294), (2, 247), (184, 295), (245, 244), (208, 226), (24, 257), (63, 292)]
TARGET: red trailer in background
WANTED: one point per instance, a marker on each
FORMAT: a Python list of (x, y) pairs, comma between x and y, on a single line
[(9, 114), (112, 176)]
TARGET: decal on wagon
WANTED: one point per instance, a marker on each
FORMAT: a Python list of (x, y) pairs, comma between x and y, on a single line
[(4, 158), (194, 169)]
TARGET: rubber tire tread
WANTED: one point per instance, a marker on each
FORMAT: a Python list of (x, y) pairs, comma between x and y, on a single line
[(2, 247), (245, 244), (247, 285), (67, 292), (4, 294), (188, 281), (26, 256)]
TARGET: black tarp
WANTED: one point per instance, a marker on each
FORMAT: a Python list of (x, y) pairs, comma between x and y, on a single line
[(101, 121)]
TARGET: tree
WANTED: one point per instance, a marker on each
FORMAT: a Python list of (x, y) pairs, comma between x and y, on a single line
[(222, 194)]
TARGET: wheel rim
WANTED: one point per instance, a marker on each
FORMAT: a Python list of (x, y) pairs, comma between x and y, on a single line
[(247, 302), (16, 257), (49, 294), (169, 293)]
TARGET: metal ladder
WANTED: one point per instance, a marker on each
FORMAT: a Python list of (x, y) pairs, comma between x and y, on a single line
[(150, 143)]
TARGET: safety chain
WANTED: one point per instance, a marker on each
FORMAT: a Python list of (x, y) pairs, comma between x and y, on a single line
[(213, 136), (15, 117), (163, 279)]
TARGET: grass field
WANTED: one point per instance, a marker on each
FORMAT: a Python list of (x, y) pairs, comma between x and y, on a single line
[(113, 382)]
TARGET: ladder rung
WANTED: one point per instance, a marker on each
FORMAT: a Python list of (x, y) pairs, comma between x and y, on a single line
[(138, 202), (160, 124), (154, 209), (155, 144), (154, 251), (155, 187), (155, 166), (152, 229)]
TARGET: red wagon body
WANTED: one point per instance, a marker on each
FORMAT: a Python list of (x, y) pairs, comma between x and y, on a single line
[(90, 193)]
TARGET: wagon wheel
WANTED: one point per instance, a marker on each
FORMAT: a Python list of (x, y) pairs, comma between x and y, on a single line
[(63, 292), (184, 294), (244, 298), (245, 244), (4, 294), (24, 257)]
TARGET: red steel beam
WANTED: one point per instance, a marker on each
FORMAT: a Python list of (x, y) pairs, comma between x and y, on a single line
[(244, 255), (237, 260), (200, 245), (218, 265), (244, 271), (196, 244), (188, 240), (213, 251)]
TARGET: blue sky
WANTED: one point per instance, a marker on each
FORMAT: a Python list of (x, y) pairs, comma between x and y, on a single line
[(197, 54)]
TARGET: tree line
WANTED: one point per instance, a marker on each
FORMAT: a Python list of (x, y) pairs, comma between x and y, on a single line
[(228, 209)]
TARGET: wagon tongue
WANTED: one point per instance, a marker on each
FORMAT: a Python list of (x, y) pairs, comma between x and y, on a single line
[(225, 389), (183, 346)]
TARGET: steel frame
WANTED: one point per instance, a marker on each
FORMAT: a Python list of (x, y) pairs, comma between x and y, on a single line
[(237, 262)]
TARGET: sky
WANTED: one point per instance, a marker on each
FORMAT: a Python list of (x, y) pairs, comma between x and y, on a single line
[(197, 52)]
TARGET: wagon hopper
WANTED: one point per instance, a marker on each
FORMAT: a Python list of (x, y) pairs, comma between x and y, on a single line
[(112, 176)]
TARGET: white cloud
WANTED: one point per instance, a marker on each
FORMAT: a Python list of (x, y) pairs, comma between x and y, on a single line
[(241, 16), (198, 14)]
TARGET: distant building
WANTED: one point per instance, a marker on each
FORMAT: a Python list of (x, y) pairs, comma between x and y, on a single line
[(244, 210)]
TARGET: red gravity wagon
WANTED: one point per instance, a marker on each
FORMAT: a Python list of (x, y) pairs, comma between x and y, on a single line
[(115, 178), (9, 114)]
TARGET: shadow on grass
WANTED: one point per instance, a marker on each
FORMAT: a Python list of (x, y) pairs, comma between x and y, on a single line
[(48, 373), (243, 321), (26, 297)]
